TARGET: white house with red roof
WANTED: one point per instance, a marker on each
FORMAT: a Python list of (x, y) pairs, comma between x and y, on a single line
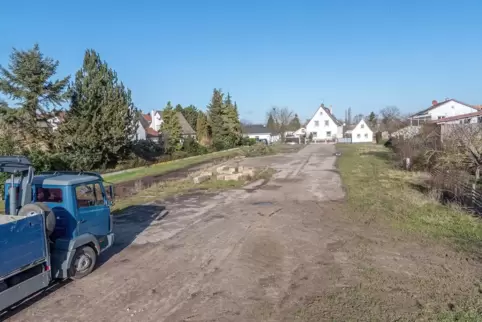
[(324, 126)]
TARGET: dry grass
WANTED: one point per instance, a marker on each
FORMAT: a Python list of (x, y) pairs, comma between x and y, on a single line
[(377, 190), (168, 189), (169, 166)]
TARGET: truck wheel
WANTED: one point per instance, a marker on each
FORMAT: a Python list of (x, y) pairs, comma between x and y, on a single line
[(83, 262)]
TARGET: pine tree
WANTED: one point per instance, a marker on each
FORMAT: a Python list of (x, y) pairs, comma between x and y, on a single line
[(171, 129), (178, 108), (202, 129), (28, 80), (216, 119), (232, 125), (102, 119), (372, 121), (190, 113), (295, 124), (270, 123)]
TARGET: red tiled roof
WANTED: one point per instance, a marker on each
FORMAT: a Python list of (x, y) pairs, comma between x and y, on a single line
[(147, 117), (457, 117), (151, 132)]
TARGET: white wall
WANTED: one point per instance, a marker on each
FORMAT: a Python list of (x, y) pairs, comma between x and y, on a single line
[(361, 133), (464, 121), (450, 108), (156, 120), (261, 136), (141, 132), (320, 124)]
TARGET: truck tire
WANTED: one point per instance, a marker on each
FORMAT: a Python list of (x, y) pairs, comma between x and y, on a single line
[(83, 262), (40, 208)]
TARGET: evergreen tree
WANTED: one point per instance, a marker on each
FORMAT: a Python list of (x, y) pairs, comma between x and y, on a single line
[(232, 125), (102, 119), (216, 119), (202, 128), (295, 123), (372, 121), (171, 129), (28, 80), (270, 123), (178, 108), (190, 113)]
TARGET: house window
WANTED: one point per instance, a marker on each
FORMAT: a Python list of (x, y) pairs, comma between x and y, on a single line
[(358, 135), (89, 195), (327, 123), (479, 119), (467, 121), (314, 134), (362, 126), (461, 122), (366, 135), (328, 134), (317, 123), (321, 113), (440, 117)]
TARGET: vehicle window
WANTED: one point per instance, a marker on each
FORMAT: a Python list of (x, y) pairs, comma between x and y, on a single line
[(89, 195), (48, 195), (99, 197)]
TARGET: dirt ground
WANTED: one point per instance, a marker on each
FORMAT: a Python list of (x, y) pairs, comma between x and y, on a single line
[(283, 251)]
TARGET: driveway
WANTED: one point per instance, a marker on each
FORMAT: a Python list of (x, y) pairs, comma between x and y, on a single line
[(242, 255)]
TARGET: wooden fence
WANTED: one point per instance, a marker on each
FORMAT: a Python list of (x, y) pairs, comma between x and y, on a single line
[(460, 187)]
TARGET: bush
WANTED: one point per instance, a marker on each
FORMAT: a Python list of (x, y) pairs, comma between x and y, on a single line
[(147, 150), (248, 141), (192, 147), (257, 150)]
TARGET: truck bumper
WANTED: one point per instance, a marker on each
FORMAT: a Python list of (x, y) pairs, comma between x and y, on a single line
[(110, 242), (20, 291)]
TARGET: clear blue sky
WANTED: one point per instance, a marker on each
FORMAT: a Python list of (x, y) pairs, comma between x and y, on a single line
[(363, 54)]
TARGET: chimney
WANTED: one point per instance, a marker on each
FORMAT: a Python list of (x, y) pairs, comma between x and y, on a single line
[(322, 105), (434, 102), (331, 110)]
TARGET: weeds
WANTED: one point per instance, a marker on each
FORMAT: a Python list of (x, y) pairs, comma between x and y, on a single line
[(376, 190)]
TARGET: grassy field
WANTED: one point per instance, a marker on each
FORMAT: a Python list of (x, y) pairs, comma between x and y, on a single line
[(166, 167), (168, 189), (380, 192)]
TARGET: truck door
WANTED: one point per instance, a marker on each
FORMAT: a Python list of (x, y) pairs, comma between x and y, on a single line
[(93, 213)]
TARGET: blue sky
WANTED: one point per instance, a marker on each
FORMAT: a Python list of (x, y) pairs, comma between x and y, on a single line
[(364, 54)]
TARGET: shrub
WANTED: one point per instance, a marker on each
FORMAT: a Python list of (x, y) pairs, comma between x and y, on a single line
[(257, 150), (192, 147)]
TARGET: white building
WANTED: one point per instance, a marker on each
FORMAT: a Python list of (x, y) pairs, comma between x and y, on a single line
[(437, 111), (258, 131), (150, 124), (359, 133), (324, 126)]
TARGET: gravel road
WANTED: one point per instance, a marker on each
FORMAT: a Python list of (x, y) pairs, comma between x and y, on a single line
[(239, 255)]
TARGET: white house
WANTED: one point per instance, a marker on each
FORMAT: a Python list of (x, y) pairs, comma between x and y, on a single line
[(324, 126), (437, 111), (258, 131), (359, 133), (150, 124)]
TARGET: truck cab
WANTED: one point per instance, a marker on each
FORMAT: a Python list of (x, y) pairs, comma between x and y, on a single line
[(80, 204), (55, 226)]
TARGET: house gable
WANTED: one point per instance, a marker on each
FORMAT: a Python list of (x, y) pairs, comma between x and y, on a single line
[(447, 108), (362, 132), (323, 125)]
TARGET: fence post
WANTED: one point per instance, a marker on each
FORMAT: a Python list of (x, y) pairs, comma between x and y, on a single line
[(474, 187)]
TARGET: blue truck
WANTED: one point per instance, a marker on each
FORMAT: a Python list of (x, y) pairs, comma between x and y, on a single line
[(54, 227)]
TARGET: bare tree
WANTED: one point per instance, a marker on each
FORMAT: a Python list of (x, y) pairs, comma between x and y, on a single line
[(390, 118), (357, 118), (282, 117)]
